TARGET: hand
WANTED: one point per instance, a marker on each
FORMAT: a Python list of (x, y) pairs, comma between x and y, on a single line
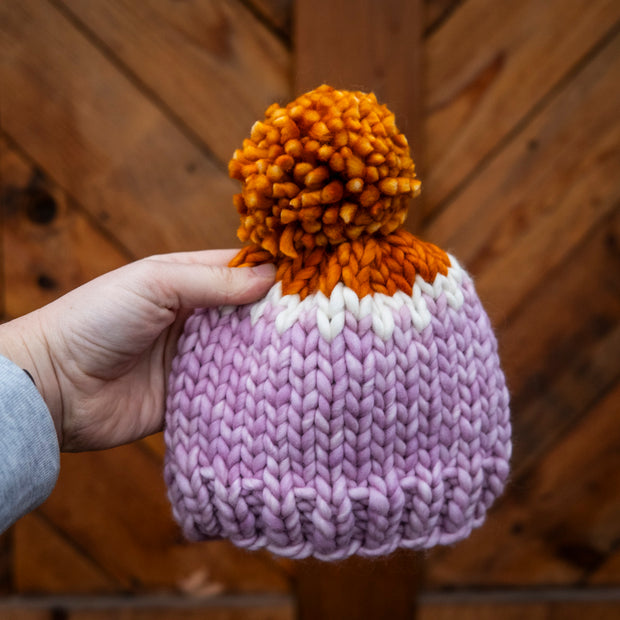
[(101, 354)]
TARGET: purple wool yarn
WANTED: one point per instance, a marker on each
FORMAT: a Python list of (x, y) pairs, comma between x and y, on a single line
[(337, 426)]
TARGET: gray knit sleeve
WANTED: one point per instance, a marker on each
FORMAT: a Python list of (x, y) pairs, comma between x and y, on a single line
[(29, 454)]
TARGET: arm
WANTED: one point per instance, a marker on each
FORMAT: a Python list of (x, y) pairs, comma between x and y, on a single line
[(100, 356), (29, 456)]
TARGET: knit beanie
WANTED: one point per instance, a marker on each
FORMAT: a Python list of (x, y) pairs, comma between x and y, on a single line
[(360, 405)]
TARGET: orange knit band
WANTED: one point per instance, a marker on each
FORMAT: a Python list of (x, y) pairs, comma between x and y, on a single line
[(367, 265)]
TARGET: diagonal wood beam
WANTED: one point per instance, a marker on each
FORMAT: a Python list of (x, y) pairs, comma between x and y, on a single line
[(369, 46)]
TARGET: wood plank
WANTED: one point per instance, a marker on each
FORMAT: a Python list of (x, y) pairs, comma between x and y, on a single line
[(524, 214), (46, 235), (510, 56), (359, 588), (47, 562), (243, 612), (571, 310), (539, 610), (123, 523), (278, 13), (560, 354), (558, 523), (556, 376), (145, 608), (6, 562), (213, 64), (16, 613), (376, 47), (103, 141), (608, 573), (50, 245), (436, 12)]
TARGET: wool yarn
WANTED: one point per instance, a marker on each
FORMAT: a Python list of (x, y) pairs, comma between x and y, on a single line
[(360, 406)]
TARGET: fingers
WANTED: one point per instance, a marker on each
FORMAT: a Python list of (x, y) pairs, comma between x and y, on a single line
[(203, 257), (196, 285)]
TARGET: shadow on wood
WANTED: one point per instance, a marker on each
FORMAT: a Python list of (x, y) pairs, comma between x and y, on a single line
[(358, 588)]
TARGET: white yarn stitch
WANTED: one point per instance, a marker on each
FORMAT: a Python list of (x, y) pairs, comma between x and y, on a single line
[(330, 312)]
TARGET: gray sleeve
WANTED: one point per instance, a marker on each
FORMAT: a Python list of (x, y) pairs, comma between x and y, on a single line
[(29, 454)]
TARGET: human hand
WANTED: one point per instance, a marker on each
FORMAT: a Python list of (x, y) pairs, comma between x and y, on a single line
[(101, 354)]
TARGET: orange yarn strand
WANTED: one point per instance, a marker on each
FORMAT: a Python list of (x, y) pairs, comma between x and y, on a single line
[(385, 265), (326, 180)]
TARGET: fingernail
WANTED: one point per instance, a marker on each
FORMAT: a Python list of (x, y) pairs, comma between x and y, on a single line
[(266, 270)]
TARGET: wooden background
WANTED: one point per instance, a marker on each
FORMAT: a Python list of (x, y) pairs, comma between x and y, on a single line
[(117, 119)]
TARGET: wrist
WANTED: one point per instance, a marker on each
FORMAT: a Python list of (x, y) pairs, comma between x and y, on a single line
[(23, 341)]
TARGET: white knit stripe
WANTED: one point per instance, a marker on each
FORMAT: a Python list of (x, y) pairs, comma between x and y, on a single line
[(330, 311)]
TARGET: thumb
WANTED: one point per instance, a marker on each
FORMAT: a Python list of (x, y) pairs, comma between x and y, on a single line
[(196, 285)]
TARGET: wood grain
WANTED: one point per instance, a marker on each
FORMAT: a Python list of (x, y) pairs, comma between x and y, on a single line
[(561, 356), (50, 246), (510, 57), (123, 524), (539, 610), (540, 197), (278, 13), (381, 53), (47, 560), (166, 608), (558, 375), (354, 589), (558, 522), (438, 11), (103, 141), (212, 65)]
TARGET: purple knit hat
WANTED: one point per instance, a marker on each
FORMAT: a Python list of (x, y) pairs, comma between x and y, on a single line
[(360, 406)]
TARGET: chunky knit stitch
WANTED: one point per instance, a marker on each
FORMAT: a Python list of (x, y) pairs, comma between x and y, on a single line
[(360, 406)]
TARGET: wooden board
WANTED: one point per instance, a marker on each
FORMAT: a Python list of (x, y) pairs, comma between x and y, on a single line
[(356, 588), (368, 46), (560, 321), (277, 13), (104, 141), (543, 194), (207, 64), (121, 525), (274, 612), (558, 522), (560, 374), (490, 67), (162, 608), (518, 610), (50, 245), (48, 560)]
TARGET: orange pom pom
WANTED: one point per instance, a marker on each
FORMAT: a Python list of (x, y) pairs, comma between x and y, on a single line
[(328, 148), (326, 182)]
